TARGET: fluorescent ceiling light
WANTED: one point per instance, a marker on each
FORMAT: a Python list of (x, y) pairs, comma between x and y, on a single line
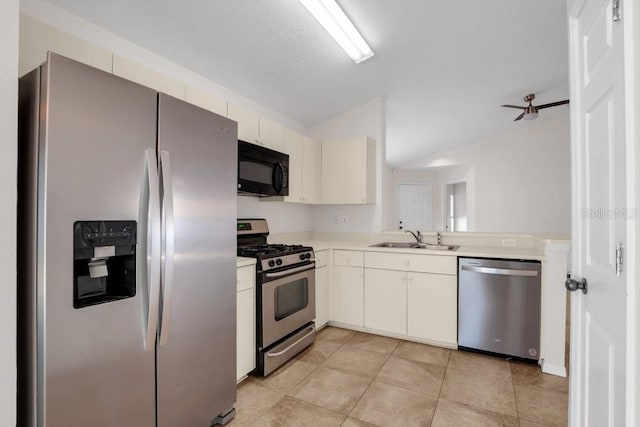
[(333, 19)]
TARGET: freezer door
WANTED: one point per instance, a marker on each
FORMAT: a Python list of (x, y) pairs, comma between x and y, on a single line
[(196, 353), (91, 368)]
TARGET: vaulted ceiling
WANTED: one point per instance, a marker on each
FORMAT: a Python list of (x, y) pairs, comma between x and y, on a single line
[(443, 67)]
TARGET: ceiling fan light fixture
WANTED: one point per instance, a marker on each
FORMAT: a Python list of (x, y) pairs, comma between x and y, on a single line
[(334, 20), (530, 113)]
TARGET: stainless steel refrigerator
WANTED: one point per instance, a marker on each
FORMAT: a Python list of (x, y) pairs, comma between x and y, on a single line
[(127, 277)]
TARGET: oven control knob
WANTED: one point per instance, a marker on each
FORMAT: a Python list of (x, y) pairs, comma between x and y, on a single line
[(308, 255), (302, 257), (272, 263), (279, 261)]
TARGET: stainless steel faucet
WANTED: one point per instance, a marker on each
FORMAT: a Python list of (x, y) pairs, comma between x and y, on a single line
[(416, 235)]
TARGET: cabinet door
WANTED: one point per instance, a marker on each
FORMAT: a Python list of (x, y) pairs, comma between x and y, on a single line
[(348, 171), (310, 170), (385, 300), (248, 123), (323, 301), (246, 333), (206, 100), (272, 134), (145, 76), (348, 295), (293, 146), (433, 307)]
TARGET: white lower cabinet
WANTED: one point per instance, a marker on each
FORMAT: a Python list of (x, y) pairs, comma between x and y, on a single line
[(246, 322), (323, 298), (348, 295), (385, 300), (432, 307), (411, 295)]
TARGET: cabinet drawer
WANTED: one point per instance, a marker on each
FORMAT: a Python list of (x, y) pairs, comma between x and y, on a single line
[(246, 277), (321, 258), (412, 262), (348, 258)]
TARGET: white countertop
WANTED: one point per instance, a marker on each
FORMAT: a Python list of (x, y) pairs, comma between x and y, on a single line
[(243, 261), (464, 251)]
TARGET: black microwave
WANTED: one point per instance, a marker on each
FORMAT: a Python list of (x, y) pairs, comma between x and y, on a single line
[(262, 171)]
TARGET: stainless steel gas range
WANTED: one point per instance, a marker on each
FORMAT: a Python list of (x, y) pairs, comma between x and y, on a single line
[(285, 295)]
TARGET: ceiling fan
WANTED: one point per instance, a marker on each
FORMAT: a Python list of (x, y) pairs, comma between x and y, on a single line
[(531, 111)]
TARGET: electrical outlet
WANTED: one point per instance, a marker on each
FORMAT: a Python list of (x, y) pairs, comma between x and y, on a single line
[(345, 220), (336, 219)]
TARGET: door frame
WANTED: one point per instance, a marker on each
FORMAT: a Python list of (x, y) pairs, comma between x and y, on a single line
[(632, 121), (444, 200)]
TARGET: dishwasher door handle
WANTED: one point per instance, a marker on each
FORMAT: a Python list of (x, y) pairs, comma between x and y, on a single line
[(500, 271)]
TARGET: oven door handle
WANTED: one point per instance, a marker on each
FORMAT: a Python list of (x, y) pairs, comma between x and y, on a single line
[(291, 271), (293, 344)]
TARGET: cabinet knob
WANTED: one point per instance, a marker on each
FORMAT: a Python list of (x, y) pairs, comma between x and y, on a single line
[(410, 277), (406, 261)]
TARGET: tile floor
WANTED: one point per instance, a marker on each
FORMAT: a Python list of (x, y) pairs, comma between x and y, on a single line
[(349, 378)]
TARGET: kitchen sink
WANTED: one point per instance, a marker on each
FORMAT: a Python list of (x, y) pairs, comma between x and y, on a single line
[(404, 245), (395, 245)]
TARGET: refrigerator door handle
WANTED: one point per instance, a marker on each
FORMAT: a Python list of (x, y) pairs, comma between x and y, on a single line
[(153, 249), (167, 246)]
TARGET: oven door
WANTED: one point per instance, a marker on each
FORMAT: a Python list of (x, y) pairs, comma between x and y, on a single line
[(288, 302)]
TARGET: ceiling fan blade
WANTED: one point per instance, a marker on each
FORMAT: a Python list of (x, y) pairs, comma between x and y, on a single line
[(514, 106), (552, 104), (519, 117)]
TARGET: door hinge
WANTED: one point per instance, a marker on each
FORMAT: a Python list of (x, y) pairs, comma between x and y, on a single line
[(615, 5), (619, 259)]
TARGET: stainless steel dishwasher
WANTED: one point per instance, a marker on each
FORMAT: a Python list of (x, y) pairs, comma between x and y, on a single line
[(499, 306)]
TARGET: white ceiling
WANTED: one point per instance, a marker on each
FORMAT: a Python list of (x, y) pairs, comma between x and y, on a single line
[(444, 67)]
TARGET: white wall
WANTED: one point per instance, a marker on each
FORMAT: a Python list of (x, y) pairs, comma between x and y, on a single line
[(365, 120), (282, 217), (8, 195), (517, 181)]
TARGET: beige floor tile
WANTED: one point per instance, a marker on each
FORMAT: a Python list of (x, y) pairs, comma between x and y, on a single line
[(253, 401), (375, 343), (482, 391), (525, 423), (541, 405), (422, 353), (356, 361), (354, 422), (289, 412), (412, 375), (449, 414), (335, 335), (480, 364), (331, 389), (318, 352), (286, 377), (527, 374), (388, 405)]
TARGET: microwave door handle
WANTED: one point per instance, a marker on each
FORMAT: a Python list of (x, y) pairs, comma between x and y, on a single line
[(278, 180)]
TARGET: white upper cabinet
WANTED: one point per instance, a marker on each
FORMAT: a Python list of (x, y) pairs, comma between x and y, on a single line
[(310, 170), (293, 146), (304, 167), (248, 123), (271, 134), (145, 76), (348, 171), (257, 130), (206, 100)]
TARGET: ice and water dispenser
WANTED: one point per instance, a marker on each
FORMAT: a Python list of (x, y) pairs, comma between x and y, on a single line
[(104, 261)]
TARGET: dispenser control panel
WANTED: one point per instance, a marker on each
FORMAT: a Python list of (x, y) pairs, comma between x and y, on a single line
[(104, 261)]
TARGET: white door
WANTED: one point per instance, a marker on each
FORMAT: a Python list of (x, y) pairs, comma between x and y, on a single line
[(600, 179), (414, 206)]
